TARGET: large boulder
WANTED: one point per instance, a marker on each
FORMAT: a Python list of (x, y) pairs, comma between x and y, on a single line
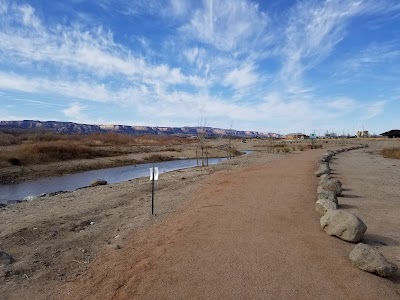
[(328, 195), (333, 185), (98, 182), (5, 259), (343, 225), (369, 259), (323, 168), (323, 205)]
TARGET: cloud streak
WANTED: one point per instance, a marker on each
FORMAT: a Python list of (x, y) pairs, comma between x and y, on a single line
[(227, 59)]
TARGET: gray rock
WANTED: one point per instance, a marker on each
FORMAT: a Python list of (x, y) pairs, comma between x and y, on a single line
[(98, 182), (328, 195), (29, 198), (326, 157), (5, 259), (324, 177), (323, 205), (369, 259), (343, 225), (322, 169), (333, 185)]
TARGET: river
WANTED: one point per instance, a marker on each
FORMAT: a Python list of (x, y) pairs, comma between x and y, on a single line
[(18, 191)]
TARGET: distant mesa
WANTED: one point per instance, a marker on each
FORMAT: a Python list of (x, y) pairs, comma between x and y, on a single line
[(70, 127)]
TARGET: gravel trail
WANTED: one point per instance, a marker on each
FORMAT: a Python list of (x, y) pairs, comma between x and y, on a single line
[(247, 233)]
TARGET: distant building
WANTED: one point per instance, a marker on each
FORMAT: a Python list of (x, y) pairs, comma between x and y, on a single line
[(394, 133), (362, 134), (296, 136)]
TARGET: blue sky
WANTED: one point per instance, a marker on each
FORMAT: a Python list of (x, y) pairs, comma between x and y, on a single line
[(274, 66)]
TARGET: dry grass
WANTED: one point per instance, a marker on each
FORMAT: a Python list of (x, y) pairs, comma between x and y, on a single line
[(302, 147), (40, 152), (18, 137), (42, 147), (391, 152)]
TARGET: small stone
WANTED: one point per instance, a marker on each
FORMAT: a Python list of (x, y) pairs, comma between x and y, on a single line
[(5, 259), (369, 259), (98, 182)]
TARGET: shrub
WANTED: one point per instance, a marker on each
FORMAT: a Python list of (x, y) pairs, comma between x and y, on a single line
[(391, 152), (14, 161), (7, 139)]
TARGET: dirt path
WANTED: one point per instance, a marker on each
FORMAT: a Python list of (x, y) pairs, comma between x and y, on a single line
[(249, 233)]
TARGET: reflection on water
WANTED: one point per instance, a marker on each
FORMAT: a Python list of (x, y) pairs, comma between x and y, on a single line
[(18, 191)]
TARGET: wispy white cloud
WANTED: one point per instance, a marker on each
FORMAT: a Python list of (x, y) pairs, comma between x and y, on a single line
[(343, 103), (28, 16), (179, 7), (75, 112), (241, 77), (226, 25), (374, 56), (93, 52), (314, 28), (374, 109)]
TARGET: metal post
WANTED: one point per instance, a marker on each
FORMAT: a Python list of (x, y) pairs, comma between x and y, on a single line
[(152, 194)]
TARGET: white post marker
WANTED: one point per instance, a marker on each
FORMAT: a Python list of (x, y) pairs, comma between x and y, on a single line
[(153, 178), (155, 173)]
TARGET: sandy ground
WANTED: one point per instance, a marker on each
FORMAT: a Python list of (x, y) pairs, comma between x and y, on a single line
[(245, 229)]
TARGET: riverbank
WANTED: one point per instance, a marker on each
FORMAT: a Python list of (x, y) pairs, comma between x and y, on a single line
[(57, 241), (16, 173)]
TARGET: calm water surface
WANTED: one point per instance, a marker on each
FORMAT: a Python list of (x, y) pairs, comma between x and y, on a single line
[(18, 191)]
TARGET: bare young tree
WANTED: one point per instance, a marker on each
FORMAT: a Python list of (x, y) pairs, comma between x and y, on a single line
[(202, 147)]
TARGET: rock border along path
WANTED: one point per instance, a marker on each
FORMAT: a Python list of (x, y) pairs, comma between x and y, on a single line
[(343, 224), (245, 234)]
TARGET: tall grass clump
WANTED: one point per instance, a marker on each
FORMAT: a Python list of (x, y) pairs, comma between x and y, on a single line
[(391, 152), (56, 151), (7, 139)]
